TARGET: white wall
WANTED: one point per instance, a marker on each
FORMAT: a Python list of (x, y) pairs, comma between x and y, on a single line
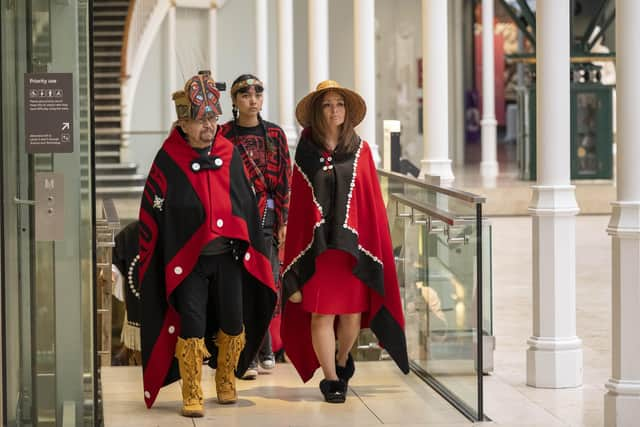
[(398, 45), (149, 108)]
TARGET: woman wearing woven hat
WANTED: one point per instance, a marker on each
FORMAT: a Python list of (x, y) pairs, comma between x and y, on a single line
[(206, 281), (338, 273), (265, 153)]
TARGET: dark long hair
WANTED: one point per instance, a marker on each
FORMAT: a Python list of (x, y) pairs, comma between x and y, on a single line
[(271, 146), (348, 139)]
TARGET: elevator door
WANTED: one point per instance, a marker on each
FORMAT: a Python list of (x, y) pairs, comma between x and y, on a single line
[(47, 253)]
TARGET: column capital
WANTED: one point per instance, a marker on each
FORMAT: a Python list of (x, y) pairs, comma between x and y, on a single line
[(554, 369), (441, 168), (554, 343), (625, 220), (621, 403), (623, 387), (553, 200)]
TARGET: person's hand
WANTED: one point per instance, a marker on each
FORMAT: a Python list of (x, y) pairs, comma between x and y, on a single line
[(296, 297), (282, 234)]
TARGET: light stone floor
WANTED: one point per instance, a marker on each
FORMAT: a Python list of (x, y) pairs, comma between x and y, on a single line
[(581, 406), (593, 196), (379, 394)]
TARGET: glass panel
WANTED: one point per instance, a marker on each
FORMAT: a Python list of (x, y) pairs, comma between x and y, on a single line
[(449, 282), (438, 272), (48, 288), (86, 217), (487, 279), (17, 226), (44, 337), (40, 32), (587, 111)]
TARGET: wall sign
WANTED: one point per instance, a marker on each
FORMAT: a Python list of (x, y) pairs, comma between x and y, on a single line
[(48, 103)]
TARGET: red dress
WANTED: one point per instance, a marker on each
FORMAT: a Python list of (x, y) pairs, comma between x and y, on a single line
[(333, 289), (338, 206)]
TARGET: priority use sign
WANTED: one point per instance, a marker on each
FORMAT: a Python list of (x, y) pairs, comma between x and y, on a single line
[(48, 103)]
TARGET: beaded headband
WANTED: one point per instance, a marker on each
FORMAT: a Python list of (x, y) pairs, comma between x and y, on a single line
[(245, 83)]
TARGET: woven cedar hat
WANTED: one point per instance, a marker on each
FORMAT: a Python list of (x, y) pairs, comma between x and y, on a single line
[(199, 99), (354, 103)]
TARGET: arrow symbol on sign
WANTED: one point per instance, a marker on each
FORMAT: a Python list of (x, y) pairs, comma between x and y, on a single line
[(65, 125)]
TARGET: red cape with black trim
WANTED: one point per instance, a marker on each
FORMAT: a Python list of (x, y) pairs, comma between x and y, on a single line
[(188, 200), (367, 221)]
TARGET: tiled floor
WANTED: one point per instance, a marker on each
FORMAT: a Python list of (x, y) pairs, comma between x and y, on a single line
[(582, 406), (379, 394), (593, 196)]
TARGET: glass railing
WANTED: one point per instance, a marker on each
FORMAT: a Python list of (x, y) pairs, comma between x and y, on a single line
[(442, 247)]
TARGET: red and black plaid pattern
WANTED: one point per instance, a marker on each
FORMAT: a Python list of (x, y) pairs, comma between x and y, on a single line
[(268, 168)]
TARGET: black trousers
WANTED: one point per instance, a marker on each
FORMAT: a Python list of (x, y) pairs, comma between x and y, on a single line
[(272, 253), (217, 280)]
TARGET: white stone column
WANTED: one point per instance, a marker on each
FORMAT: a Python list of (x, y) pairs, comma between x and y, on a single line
[(364, 46), (622, 400), (171, 62), (213, 39), (285, 71), (262, 49), (554, 356), (318, 42), (435, 87), (489, 163)]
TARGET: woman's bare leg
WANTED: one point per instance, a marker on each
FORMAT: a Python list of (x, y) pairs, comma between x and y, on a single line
[(348, 329), (323, 340)]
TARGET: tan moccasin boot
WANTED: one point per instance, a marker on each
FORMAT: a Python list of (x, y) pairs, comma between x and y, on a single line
[(190, 352), (229, 349)]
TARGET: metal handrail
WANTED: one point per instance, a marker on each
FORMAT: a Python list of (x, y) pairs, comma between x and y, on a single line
[(456, 194), (423, 208), (106, 228), (110, 213), (145, 132)]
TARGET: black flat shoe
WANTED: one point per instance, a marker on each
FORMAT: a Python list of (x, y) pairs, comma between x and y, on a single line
[(334, 391), (346, 372)]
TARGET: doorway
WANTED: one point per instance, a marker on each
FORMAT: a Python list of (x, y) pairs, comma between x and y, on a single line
[(46, 214)]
